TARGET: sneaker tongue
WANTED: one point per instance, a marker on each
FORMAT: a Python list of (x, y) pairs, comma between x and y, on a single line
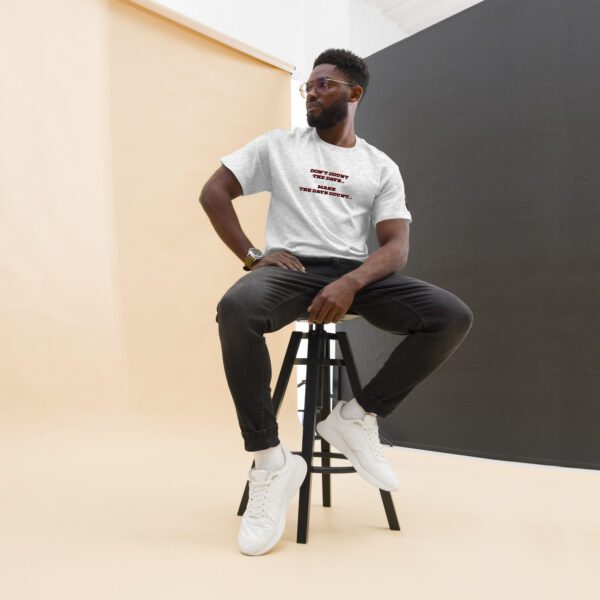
[(370, 419), (258, 474)]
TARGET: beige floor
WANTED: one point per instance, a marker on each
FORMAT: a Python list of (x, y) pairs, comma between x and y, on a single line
[(128, 508)]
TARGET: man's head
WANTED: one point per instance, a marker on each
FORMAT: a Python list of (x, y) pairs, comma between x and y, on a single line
[(334, 100)]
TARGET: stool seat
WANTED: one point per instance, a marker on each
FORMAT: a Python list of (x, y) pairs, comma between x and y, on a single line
[(317, 406), (344, 317)]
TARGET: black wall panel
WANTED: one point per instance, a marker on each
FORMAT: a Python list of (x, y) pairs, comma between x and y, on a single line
[(493, 116)]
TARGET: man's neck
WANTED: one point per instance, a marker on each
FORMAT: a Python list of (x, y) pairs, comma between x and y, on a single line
[(344, 136)]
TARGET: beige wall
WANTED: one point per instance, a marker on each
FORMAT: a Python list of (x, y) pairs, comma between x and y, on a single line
[(112, 119)]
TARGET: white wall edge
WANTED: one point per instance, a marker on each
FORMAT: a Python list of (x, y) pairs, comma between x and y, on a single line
[(212, 33)]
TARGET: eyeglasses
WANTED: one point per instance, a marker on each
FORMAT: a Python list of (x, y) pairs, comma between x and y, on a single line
[(321, 86)]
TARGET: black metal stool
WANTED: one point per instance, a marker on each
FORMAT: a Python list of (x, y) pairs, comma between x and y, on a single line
[(318, 401)]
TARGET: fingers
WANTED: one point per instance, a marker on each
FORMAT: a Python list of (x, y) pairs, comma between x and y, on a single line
[(289, 261), (329, 315), (279, 259), (294, 262), (282, 259), (326, 314)]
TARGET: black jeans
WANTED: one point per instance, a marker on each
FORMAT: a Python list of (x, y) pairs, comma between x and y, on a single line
[(265, 300)]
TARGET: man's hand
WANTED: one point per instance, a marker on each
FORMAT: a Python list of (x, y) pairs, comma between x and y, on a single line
[(332, 302), (280, 259)]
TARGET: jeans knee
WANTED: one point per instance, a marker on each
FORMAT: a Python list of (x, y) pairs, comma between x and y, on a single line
[(461, 318), (467, 318), (455, 316), (237, 309), (228, 307)]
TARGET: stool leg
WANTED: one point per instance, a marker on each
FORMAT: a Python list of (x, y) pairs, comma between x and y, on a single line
[(348, 358), (282, 383), (286, 370), (308, 429), (324, 413)]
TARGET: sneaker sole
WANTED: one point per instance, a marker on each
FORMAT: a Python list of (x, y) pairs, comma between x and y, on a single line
[(332, 437), (295, 482)]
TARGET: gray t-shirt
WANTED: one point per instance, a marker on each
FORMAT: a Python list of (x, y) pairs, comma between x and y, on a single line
[(323, 197)]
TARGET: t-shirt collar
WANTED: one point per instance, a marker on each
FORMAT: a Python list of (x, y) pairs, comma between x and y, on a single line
[(334, 146)]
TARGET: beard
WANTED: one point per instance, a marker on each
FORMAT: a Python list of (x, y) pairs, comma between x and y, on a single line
[(328, 117)]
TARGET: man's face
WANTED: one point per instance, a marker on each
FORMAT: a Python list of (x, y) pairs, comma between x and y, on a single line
[(332, 105)]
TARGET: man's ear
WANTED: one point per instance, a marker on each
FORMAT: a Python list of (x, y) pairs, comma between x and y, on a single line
[(356, 93)]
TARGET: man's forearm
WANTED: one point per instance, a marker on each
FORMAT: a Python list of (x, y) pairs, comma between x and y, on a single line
[(219, 208), (388, 259)]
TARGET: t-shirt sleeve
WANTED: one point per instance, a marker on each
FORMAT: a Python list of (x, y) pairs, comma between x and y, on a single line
[(250, 165), (390, 201)]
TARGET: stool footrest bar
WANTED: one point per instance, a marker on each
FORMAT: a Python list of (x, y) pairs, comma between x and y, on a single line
[(321, 363), (314, 469), (323, 454)]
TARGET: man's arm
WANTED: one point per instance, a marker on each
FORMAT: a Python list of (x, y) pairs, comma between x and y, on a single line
[(392, 256), (335, 299), (216, 199)]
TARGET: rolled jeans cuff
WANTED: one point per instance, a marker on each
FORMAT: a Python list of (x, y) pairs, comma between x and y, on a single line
[(261, 439), (371, 404)]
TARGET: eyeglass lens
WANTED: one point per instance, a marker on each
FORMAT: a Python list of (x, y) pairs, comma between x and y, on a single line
[(320, 87)]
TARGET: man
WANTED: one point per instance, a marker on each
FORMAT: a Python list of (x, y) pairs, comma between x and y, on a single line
[(327, 186)]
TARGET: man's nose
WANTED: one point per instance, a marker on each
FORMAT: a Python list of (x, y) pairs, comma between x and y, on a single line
[(311, 95)]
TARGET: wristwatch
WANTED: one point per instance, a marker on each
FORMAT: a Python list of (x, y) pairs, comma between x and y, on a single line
[(253, 255)]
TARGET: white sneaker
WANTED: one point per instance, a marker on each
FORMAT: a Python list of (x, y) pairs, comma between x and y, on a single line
[(358, 440), (270, 493)]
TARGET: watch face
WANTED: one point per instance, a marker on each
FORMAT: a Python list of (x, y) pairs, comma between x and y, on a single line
[(255, 253)]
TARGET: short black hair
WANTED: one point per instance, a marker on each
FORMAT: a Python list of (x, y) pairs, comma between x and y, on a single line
[(353, 67)]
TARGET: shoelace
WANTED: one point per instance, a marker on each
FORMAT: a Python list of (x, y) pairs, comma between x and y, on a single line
[(258, 498), (373, 437)]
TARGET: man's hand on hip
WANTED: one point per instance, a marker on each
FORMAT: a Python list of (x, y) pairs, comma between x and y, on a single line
[(279, 259)]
